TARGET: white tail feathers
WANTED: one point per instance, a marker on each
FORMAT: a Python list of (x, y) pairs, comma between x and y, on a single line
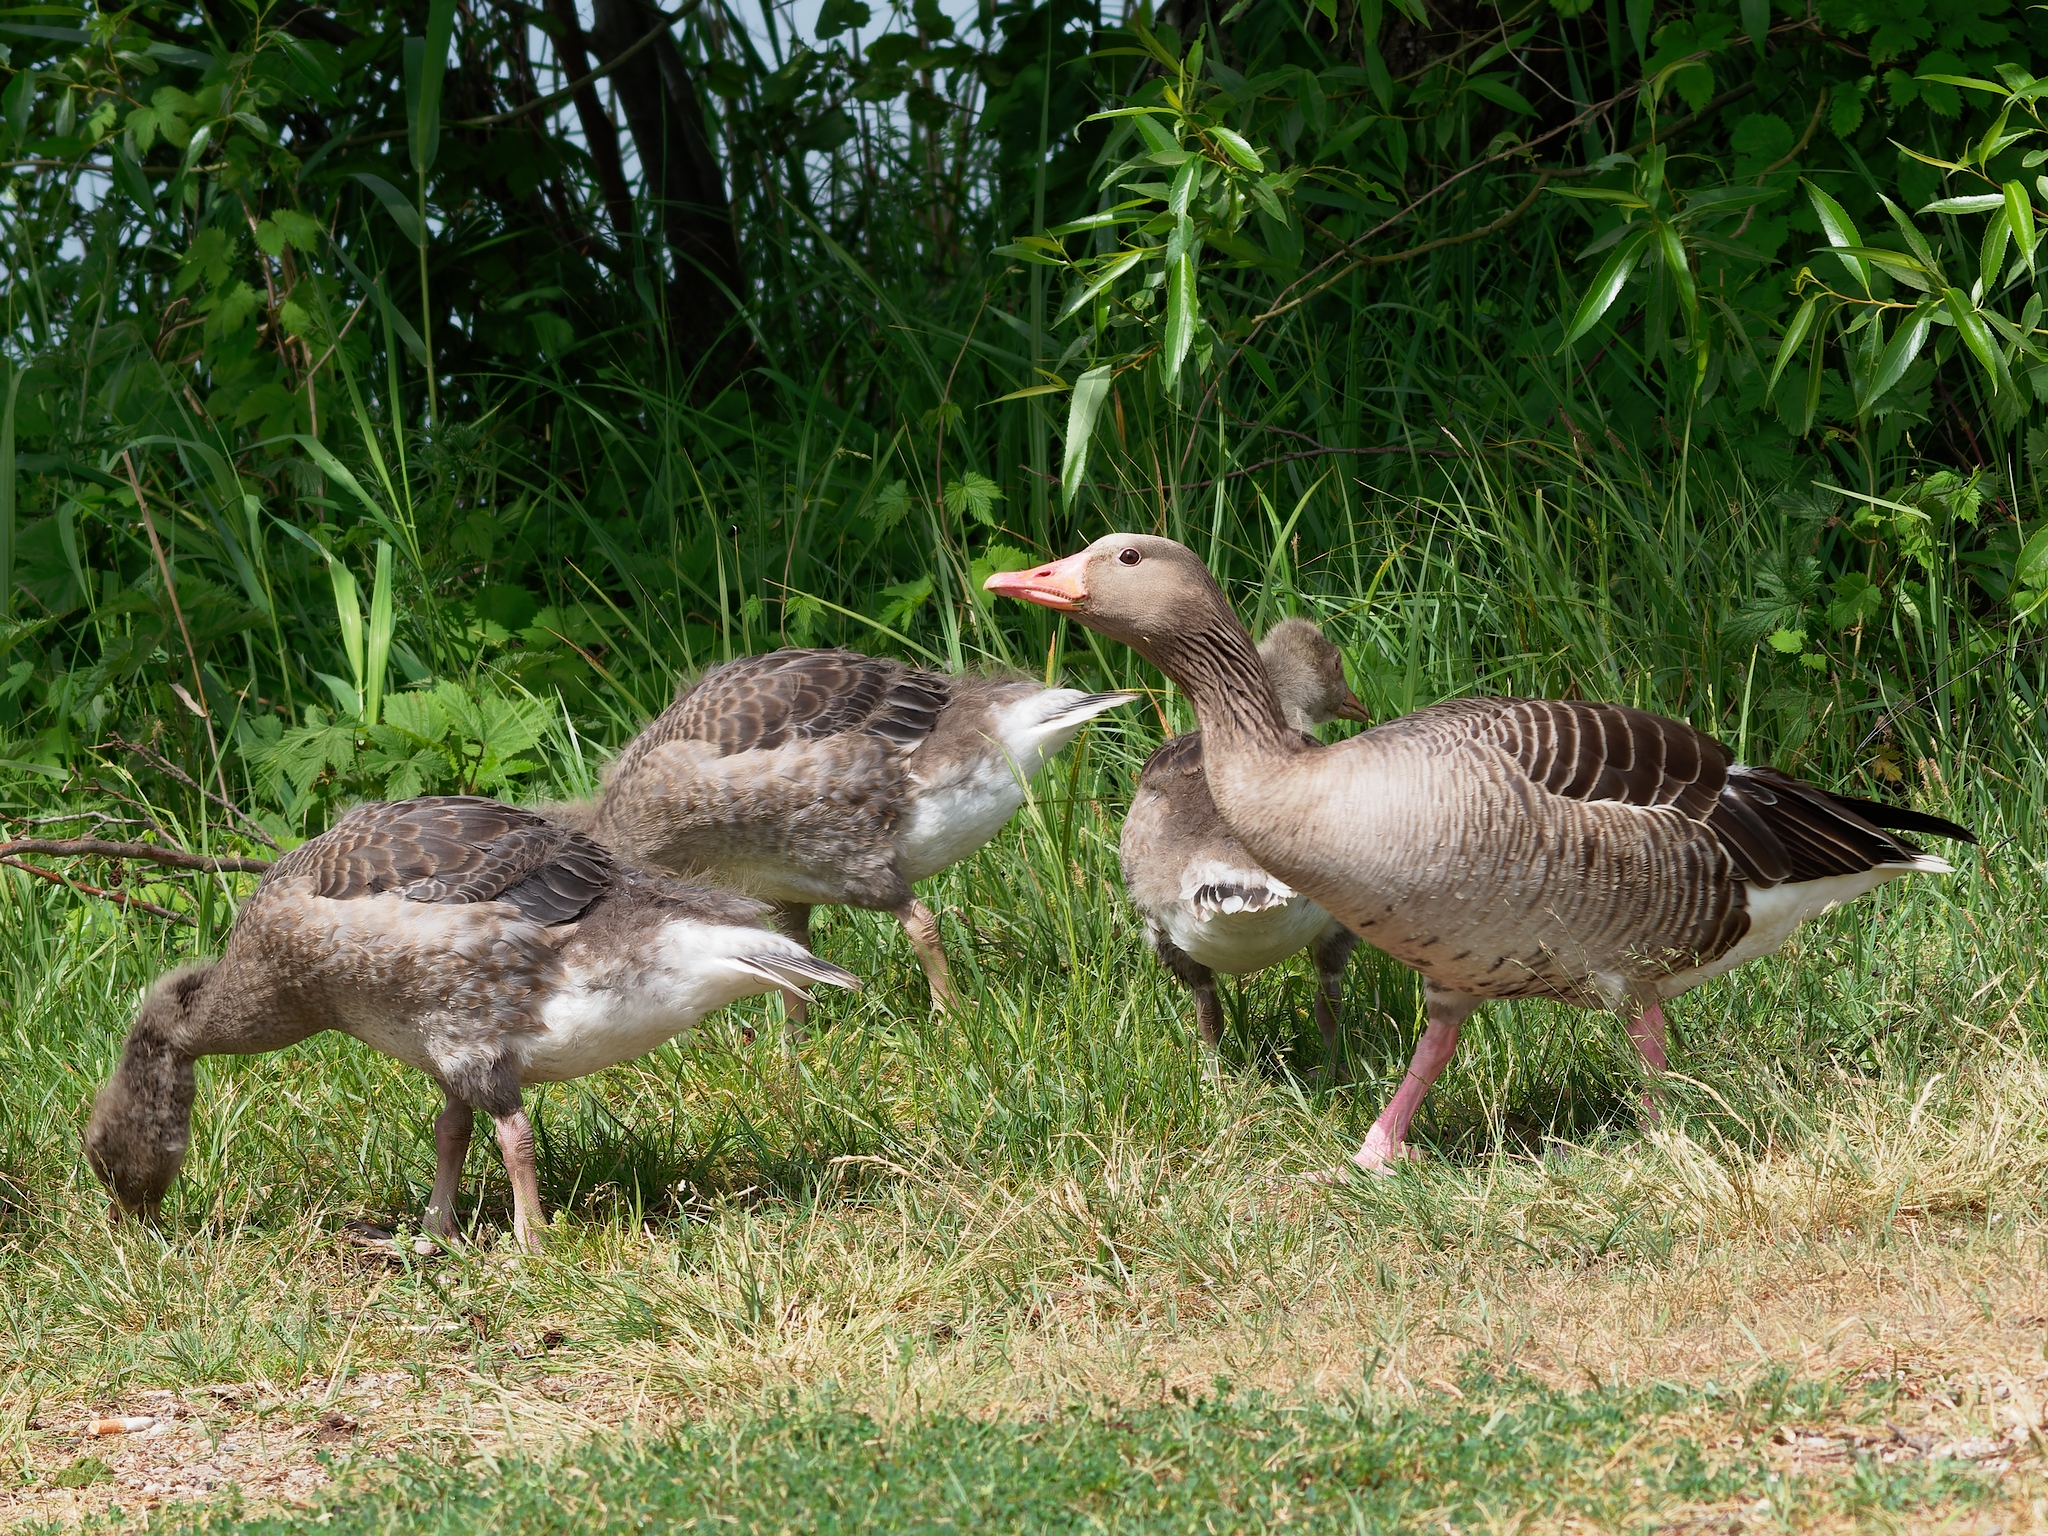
[(796, 971), (1066, 707), (1219, 890)]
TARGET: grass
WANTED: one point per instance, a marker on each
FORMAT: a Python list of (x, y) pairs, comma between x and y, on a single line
[(991, 1268)]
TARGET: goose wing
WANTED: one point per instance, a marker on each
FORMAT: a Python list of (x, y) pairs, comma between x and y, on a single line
[(1772, 827), (758, 703), (1176, 848), (457, 849)]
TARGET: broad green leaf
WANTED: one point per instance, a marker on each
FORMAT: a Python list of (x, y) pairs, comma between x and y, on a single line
[(348, 613), (1238, 150), (426, 60), (2031, 568), (1607, 284), (1978, 338), (1120, 214), (1899, 353), (1495, 88), (1090, 390), (1672, 251), (2019, 214), (1108, 273), (1991, 254), (395, 202), (1180, 314), (1840, 229), (1982, 203), (1795, 333), (1968, 83), (1756, 21), (1183, 189)]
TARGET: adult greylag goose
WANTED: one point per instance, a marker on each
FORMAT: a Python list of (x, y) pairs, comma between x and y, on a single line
[(1209, 908), (485, 945), (1504, 848), (816, 777)]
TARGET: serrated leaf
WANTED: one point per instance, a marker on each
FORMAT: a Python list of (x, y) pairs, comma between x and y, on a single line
[(1982, 203)]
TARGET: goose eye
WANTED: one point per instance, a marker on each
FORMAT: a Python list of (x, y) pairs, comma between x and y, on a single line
[(1128, 556)]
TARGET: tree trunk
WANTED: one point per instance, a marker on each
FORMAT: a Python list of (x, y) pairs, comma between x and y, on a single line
[(684, 183), (598, 131)]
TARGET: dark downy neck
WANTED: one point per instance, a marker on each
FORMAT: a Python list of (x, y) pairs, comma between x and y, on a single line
[(1216, 665)]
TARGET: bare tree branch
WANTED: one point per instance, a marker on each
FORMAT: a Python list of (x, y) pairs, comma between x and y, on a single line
[(116, 897), (170, 769), (148, 853)]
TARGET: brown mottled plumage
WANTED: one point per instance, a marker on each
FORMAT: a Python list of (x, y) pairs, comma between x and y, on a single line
[(815, 777), (1208, 906), (1503, 847), (488, 946)]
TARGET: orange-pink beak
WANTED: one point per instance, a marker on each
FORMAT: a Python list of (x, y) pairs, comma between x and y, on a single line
[(1058, 585)]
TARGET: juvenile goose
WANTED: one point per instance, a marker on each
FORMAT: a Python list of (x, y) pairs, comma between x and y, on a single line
[(813, 777), (1504, 848), (1208, 906), (485, 945)]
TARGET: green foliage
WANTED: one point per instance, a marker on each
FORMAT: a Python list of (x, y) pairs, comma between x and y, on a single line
[(1006, 277), (1369, 1461)]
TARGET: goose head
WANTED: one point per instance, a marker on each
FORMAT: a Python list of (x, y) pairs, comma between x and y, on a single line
[(1308, 675), (1159, 599), (1133, 587), (141, 1122)]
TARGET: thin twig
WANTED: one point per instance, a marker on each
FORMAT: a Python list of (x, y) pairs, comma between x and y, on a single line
[(116, 897), (163, 765), (198, 700), (1782, 161), (146, 853)]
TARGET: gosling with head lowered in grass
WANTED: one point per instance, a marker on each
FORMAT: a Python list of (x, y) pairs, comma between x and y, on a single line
[(488, 946)]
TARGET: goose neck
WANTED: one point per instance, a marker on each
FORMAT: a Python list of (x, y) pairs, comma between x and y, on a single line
[(1216, 665)]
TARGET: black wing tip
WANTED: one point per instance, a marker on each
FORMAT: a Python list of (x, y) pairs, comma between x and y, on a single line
[(1901, 818)]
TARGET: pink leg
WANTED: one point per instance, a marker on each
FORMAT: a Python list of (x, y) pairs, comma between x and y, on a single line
[(515, 1141), (1647, 1030), (451, 1146), (1387, 1142)]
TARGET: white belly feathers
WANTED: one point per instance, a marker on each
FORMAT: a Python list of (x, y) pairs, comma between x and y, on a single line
[(1235, 943), (614, 1010)]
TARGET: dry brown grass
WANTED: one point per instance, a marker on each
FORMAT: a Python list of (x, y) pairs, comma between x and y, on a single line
[(1899, 1239)]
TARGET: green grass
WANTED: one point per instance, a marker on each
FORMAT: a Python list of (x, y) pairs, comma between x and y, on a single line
[(943, 1234), (963, 1226), (1502, 1450)]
